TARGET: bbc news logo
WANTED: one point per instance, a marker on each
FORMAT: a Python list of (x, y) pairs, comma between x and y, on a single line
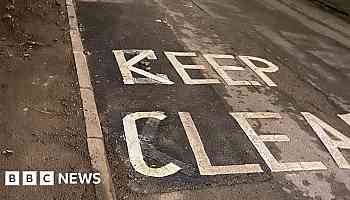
[(47, 178)]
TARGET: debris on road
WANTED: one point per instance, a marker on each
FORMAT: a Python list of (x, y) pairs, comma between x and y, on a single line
[(30, 43), (88, 53), (145, 62), (26, 55), (7, 16), (188, 6), (161, 21), (7, 152)]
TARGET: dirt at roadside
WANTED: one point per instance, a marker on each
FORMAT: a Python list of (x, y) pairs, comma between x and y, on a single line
[(41, 123)]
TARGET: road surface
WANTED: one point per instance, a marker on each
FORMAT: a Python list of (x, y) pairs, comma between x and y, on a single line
[(220, 99)]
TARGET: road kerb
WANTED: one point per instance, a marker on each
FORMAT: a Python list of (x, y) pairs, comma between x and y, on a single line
[(95, 140)]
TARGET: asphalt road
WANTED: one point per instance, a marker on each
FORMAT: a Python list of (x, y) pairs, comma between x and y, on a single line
[(340, 6), (215, 115)]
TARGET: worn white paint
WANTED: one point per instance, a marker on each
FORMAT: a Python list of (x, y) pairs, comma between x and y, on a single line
[(126, 67), (211, 58), (134, 146), (181, 69), (274, 138), (203, 162), (260, 71), (258, 142), (345, 118), (332, 145)]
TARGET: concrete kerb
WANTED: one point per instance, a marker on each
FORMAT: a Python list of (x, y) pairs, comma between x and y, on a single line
[(95, 140)]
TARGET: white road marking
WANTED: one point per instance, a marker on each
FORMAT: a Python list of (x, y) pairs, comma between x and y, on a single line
[(301, 56), (258, 142), (126, 67), (134, 146), (221, 70), (345, 118), (274, 138), (332, 145), (150, 81), (260, 71), (189, 124), (95, 141), (180, 68), (203, 162)]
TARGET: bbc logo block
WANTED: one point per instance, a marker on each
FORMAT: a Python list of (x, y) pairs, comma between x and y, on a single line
[(42, 178), (29, 178), (12, 178)]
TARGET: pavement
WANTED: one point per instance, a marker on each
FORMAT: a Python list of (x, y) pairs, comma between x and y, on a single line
[(41, 123), (212, 99)]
